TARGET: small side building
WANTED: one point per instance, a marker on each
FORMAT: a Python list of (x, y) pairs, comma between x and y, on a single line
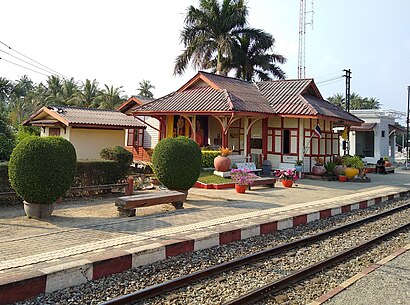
[(89, 130), (376, 137)]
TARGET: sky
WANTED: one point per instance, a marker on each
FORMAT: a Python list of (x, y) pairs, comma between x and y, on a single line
[(123, 42)]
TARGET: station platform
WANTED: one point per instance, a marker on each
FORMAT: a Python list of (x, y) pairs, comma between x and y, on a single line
[(86, 240)]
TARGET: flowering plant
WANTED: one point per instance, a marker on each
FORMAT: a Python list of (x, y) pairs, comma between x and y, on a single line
[(224, 151), (288, 174), (242, 176)]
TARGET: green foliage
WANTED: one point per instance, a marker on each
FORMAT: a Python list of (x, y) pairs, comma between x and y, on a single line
[(117, 153), (330, 166), (209, 177), (5, 185), (7, 140), (24, 132), (353, 161), (41, 169), (177, 162), (208, 157), (99, 172)]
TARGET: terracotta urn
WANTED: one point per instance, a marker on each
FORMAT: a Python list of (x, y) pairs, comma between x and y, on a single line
[(351, 172), (240, 188), (222, 163), (318, 170)]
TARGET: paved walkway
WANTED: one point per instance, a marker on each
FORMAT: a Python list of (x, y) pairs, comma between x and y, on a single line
[(86, 241)]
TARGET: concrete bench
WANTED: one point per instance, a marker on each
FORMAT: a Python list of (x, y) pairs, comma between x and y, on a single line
[(270, 182), (126, 205), (250, 166)]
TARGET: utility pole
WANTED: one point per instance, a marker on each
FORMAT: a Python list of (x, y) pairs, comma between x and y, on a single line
[(348, 76), (407, 133)]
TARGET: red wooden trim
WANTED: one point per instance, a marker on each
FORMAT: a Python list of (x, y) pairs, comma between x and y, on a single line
[(265, 138)]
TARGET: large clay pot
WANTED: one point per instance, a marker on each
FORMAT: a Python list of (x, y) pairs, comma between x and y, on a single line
[(222, 164), (338, 169), (37, 210), (351, 172), (318, 170), (287, 183), (240, 188)]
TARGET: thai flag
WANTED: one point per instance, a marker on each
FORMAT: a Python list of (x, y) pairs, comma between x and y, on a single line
[(318, 131)]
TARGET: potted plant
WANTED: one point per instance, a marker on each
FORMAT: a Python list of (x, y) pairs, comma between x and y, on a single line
[(287, 177), (387, 163), (354, 165), (242, 179), (342, 176), (318, 169), (339, 165), (222, 163), (41, 170), (299, 166), (329, 166)]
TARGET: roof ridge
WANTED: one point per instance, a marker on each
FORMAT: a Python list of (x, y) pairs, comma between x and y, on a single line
[(226, 76), (80, 108)]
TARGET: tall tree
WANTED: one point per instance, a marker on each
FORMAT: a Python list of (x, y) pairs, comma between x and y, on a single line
[(89, 96), (145, 89), (209, 33), (252, 60), (356, 101), (110, 97), (70, 91), (20, 100), (54, 91), (6, 138)]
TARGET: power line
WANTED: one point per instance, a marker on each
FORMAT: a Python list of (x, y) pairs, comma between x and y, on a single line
[(33, 60), (330, 79), (25, 61), (23, 67)]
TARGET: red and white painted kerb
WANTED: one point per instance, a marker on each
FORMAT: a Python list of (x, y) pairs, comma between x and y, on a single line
[(89, 268)]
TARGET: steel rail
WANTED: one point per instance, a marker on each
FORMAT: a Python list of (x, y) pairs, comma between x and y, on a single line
[(262, 292), (155, 290)]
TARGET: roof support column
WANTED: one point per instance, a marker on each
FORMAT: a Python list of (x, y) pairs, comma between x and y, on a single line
[(246, 129)]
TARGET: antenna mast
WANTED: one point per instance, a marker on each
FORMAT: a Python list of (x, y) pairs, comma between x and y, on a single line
[(302, 33)]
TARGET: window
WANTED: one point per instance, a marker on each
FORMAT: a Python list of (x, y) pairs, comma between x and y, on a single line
[(139, 137), (130, 137), (383, 133), (54, 132), (286, 141)]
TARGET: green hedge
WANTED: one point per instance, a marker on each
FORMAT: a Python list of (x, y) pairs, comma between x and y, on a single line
[(99, 172), (5, 185), (208, 157)]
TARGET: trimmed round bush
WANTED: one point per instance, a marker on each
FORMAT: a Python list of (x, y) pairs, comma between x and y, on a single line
[(117, 153), (177, 162), (42, 169)]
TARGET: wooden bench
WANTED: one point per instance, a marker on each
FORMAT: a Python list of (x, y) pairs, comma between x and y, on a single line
[(270, 182), (250, 166), (126, 205)]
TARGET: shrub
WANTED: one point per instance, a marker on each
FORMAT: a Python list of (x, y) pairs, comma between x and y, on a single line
[(117, 153), (5, 185), (7, 140), (41, 169), (24, 132), (330, 166), (208, 157), (177, 162), (98, 172), (354, 161)]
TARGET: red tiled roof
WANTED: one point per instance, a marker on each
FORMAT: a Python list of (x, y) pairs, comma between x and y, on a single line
[(235, 95), (301, 97), (84, 116), (207, 92)]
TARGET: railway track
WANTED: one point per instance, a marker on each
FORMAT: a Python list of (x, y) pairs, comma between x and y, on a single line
[(283, 278)]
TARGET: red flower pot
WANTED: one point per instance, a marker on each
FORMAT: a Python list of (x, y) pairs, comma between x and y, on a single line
[(342, 178), (287, 183), (222, 164), (240, 188)]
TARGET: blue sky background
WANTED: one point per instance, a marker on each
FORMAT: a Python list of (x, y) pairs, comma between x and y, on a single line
[(123, 42)]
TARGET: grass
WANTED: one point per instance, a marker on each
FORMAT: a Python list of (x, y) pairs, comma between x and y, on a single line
[(209, 177)]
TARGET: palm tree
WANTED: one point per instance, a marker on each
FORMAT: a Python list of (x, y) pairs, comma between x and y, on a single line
[(144, 89), (251, 58), (337, 100), (54, 91), (70, 91), (20, 100), (209, 33), (90, 95), (110, 98), (6, 87)]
